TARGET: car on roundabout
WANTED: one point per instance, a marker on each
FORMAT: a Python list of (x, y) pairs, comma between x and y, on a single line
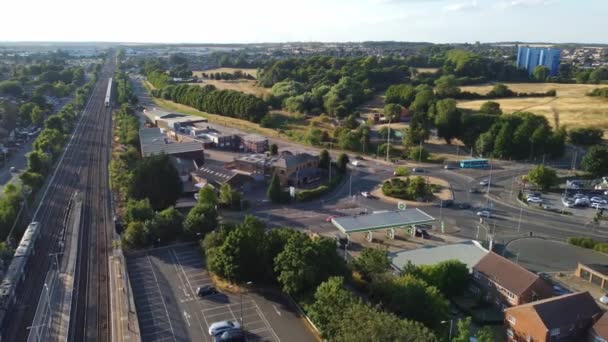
[(484, 213)]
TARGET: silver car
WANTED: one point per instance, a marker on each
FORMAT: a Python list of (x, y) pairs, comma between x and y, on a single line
[(221, 326)]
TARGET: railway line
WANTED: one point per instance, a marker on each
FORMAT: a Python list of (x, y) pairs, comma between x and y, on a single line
[(83, 167)]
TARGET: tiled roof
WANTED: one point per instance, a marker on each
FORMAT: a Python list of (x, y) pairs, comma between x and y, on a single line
[(600, 328), (507, 274)]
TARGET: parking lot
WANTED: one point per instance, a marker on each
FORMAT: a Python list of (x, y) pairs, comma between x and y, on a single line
[(164, 283)]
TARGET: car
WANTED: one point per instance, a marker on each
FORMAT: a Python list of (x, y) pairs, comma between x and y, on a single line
[(13, 169), (448, 167), (365, 194), (417, 169), (422, 233), (484, 182), (558, 290), (534, 200), (598, 200), (606, 193), (464, 206), (474, 190), (604, 299), (206, 290), (583, 202), (232, 335), (356, 163), (484, 213), (596, 205), (533, 194), (219, 327)]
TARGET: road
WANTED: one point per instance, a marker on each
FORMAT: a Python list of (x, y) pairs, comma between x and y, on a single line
[(73, 172)]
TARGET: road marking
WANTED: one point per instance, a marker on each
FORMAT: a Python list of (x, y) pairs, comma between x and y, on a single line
[(276, 310), (161, 298), (187, 316)]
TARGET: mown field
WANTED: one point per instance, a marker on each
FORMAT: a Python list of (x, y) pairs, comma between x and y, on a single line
[(572, 106), (245, 86)]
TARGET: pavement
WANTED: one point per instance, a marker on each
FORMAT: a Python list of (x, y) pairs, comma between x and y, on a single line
[(164, 283)]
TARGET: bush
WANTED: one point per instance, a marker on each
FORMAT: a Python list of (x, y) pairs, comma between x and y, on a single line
[(418, 154), (584, 242), (412, 189), (586, 136), (307, 195), (402, 171)]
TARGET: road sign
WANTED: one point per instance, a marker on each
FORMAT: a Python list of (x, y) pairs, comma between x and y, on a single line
[(401, 205), (442, 227), (292, 192)]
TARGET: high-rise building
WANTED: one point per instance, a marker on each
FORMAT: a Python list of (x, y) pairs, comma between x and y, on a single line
[(530, 57)]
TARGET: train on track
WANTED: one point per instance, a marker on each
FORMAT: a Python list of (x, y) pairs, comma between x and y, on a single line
[(108, 101), (16, 271)]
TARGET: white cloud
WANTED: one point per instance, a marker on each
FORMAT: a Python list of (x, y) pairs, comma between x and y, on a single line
[(522, 3), (462, 6)]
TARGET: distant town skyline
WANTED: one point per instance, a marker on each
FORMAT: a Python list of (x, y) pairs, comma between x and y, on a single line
[(243, 21)]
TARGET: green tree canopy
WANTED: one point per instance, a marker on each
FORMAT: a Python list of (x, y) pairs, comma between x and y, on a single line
[(138, 210), (135, 236), (156, 178), (586, 136), (448, 119), (392, 112), (595, 160), (331, 299), (541, 73), (324, 159), (446, 86), (372, 261), (342, 162), (201, 219), (543, 177), (490, 107)]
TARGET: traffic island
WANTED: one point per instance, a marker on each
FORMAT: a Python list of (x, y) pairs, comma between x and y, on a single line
[(441, 190)]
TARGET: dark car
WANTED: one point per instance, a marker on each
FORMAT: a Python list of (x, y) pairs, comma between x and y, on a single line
[(464, 206), (232, 335), (422, 233), (207, 290), (474, 190)]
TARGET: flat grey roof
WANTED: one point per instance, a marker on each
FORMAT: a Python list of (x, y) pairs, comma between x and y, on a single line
[(391, 219), (468, 252), (153, 141)]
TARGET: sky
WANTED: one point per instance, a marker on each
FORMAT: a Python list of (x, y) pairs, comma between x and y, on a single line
[(256, 21)]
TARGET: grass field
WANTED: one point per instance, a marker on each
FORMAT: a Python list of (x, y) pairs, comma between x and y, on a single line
[(427, 70), (574, 108), (245, 86)]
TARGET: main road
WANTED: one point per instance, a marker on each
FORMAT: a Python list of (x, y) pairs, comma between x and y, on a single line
[(82, 167)]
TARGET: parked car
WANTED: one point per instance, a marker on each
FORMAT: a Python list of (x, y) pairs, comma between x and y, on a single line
[(582, 202), (366, 194), (484, 182), (558, 290), (232, 335), (533, 194), (596, 205), (534, 200), (596, 199), (417, 169), (356, 163), (474, 190), (13, 169), (207, 290), (464, 206), (219, 327), (422, 233), (484, 213), (604, 299), (448, 167)]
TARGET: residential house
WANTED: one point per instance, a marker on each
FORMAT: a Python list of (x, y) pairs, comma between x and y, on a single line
[(564, 318), (599, 330), (216, 176), (506, 284), (298, 169)]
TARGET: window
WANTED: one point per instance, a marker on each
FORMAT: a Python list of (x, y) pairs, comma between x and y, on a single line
[(511, 319)]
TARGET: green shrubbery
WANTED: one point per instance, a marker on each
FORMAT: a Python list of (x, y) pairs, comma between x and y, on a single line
[(589, 243), (412, 189)]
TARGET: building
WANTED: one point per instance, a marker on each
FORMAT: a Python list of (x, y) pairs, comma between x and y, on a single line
[(530, 57), (593, 273), (467, 252), (298, 169), (213, 137), (216, 176), (255, 143), (564, 318), (599, 330), (506, 284), (153, 141), (170, 120)]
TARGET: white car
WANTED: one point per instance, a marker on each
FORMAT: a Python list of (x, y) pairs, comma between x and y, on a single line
[(484, 182), (534, 200), (221, 326), (599, 205), (604, 299), (598, 200), (365, 194), (484, 213)]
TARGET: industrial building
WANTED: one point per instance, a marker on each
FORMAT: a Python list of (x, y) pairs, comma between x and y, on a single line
[(530, 57)]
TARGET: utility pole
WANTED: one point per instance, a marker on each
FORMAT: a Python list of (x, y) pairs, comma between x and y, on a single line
[(388, 141)]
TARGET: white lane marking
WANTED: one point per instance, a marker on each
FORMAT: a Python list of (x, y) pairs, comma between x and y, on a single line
[(276, 310), (187, 317), (162, 299)]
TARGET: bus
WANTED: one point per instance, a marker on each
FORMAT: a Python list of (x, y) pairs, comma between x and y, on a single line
[(474, 163)]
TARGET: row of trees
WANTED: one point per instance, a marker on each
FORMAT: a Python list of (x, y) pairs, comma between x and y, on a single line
[(124, 89), (235, 75), (211, 100)]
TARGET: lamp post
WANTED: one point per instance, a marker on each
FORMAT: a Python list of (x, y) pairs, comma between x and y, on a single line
[(450, 332), (248, 284)]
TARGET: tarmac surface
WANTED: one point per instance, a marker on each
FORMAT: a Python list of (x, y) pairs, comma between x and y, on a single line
[(164, 283)]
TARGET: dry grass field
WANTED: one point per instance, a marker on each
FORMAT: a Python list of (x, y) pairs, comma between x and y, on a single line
[(427, 70), (574, 108), (245, 86)]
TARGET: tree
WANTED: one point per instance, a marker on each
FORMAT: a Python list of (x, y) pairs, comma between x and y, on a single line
[(541, 73), (201, 219), (274, 149), (392, 112), (464, 330), (446, 86), (304, 263), (166, 225), (451, 277), (324, 159), (135, 236), (36, 116), (595, 160), (543, 177), (586, 136), (207, 196), (500, 90), (418, 153), (138, 210), (485, 334), (490, 107), (372, 261), (275, 192), (156, 178), (342, 162), (230, 198), (331, 299), (448, 119)]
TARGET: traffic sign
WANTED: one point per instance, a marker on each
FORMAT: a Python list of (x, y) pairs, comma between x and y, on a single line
[(401, 205)]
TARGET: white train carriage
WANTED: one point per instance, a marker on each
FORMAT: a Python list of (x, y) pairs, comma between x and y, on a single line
[(109, 93)]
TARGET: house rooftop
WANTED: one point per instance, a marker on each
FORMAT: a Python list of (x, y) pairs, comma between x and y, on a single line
[(153, 141), (288, 161), (468, 252), (509, 275)]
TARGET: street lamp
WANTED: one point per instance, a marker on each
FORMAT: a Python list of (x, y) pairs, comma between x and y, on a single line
[(248, 284), (450, 333)]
